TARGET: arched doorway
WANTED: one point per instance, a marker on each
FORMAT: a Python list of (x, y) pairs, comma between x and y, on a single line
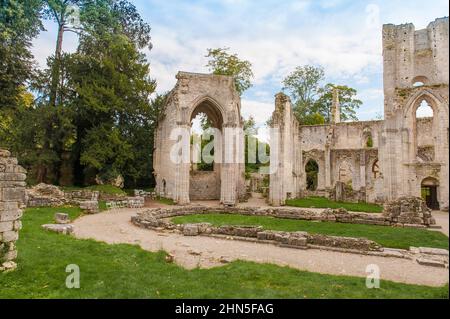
[(215, 96), (429, 192), (312, 175), (205, 170)]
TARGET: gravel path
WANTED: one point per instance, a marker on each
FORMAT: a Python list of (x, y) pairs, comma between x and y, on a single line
[(115, 227)]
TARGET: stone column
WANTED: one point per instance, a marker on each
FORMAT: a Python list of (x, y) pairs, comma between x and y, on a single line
[(182, 168), (362, 169), (230, 165), (12, 200), (327, 167)]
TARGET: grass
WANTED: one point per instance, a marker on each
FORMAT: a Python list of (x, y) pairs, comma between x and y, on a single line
[(394, 237), (322, 202), (126, 271), (164, 200), (104, 189)]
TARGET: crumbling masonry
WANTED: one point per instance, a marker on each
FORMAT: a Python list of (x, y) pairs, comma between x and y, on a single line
[(372, 161), (12, 200), (377, 161)]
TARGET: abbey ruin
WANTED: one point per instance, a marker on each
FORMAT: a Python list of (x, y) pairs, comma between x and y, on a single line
[(369, 161)]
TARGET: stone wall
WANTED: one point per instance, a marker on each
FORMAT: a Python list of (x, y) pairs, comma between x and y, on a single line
[(405, 150), (156, 219), (204, 185), (12, 200)]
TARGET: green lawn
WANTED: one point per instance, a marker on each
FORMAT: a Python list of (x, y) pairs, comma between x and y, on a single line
[(394, 237), (164, 200), (126, 271), (105, 189), (322, 202)]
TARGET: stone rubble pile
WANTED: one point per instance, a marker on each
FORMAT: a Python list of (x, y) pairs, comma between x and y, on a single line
[(12, 201), (44, 195), (408, 211)]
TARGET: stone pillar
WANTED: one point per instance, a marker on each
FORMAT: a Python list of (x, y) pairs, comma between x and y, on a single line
[(327, 167), (362, 169), (181, 194), (336, 107), (12, 200)]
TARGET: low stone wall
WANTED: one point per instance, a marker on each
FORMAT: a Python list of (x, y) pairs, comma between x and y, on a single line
[(12, 200), (44, 195), (157, 219), (128, 202), (339, 215)]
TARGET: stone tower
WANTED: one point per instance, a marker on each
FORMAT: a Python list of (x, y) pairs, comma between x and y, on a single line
[(415, 70)]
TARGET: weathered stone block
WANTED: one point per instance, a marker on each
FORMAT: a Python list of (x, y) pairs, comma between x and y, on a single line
[(6, 226), (62, 218), (65, 229), (9, 236), (190, 230), (10, 215), (91, 207)]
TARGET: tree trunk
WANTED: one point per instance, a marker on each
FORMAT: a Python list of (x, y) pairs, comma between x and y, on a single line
[(56, 65)]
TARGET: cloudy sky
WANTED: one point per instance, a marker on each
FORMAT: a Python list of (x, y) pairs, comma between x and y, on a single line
[(343, 36)]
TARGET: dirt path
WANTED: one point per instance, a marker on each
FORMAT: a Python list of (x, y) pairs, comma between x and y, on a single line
[(441, 220), (190, 252)]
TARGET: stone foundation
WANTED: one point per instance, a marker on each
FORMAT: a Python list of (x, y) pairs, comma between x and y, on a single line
[(12, 200), (158, 219)]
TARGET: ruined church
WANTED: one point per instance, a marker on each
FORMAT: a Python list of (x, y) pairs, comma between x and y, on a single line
[(367, 161)]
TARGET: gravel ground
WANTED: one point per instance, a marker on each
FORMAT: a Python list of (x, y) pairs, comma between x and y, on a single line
[(190, 252)]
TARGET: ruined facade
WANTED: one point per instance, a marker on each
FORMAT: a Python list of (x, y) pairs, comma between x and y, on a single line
[(376, 161), (216, 96), (370, 161)]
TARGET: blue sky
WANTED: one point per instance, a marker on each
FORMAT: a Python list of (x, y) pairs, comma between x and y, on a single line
[(344, 36)]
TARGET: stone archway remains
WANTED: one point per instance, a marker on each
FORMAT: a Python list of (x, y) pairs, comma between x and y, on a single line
[(216, 96)]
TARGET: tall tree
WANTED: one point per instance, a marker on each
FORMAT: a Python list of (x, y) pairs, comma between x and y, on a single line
[(19, 23), (112, 106), (313, 102), (92, 16), (223, 63), (64, 13), (303, 85)]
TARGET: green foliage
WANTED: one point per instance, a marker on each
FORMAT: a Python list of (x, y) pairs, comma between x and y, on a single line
[(122, 271), (312, 171), (223, 63), (369, 142), (313, 102), (166, 201), (322, 202), (19, 24), (386, 236), (303, 85)]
